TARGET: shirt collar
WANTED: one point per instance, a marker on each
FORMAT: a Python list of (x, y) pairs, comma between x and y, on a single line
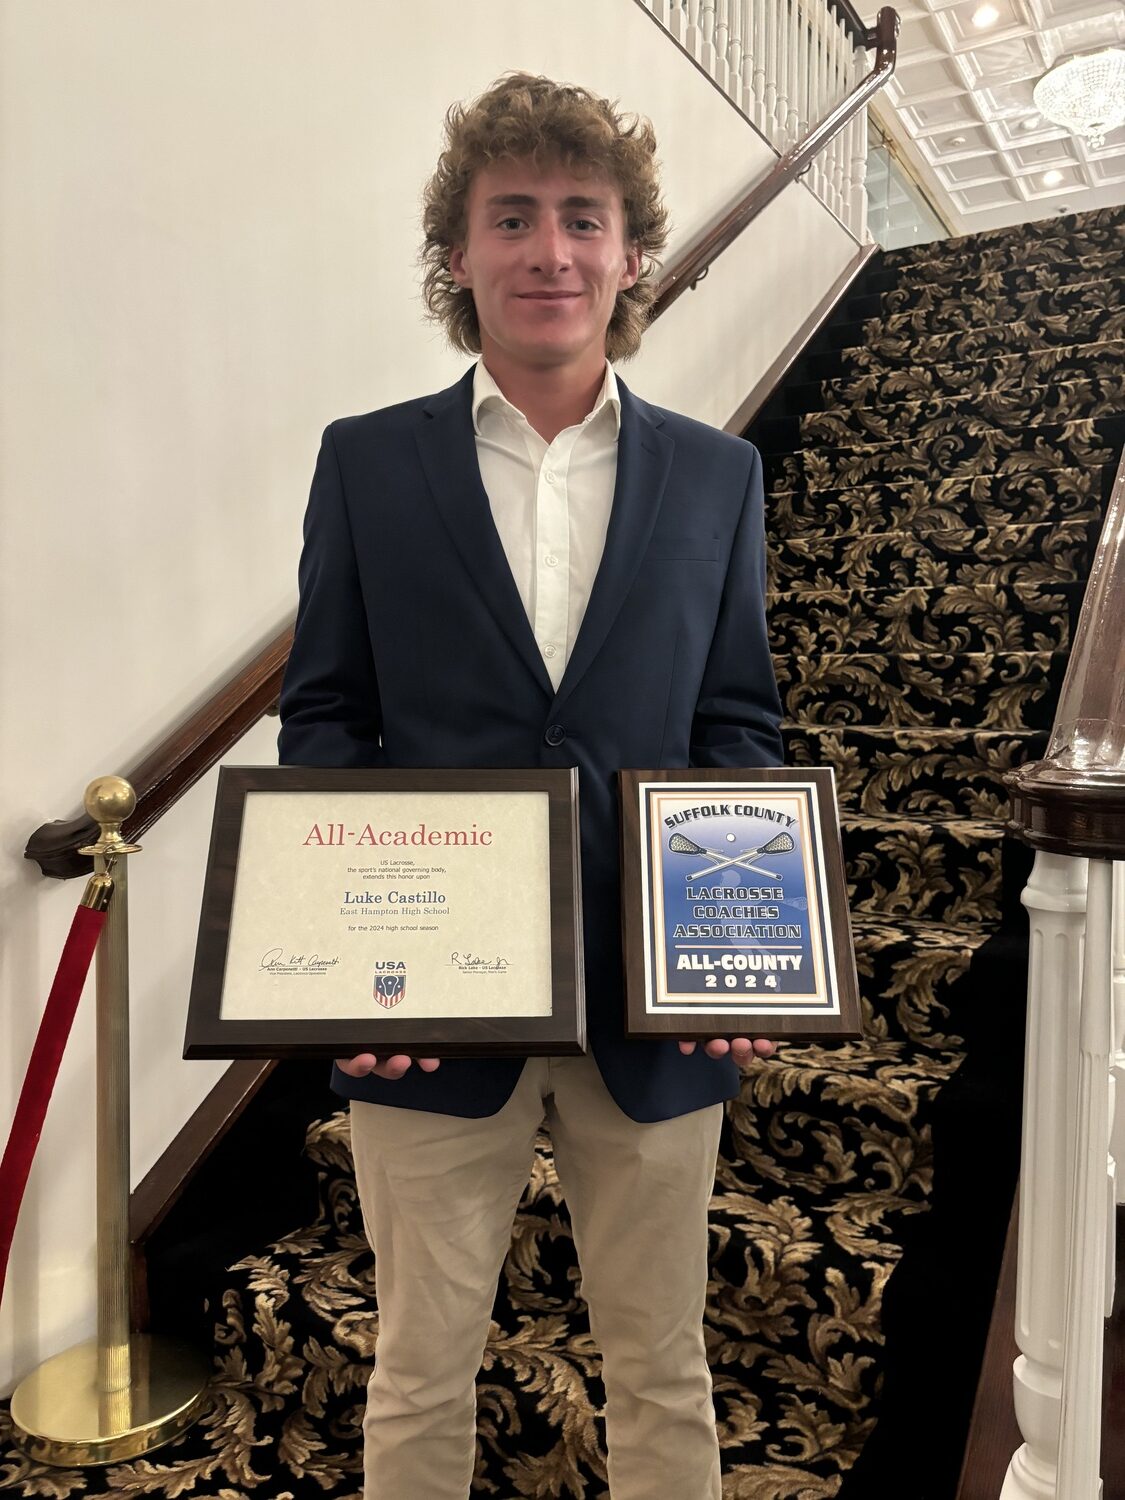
[(486, 393)]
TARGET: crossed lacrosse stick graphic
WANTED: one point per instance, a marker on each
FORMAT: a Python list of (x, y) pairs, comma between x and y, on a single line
[(781, 843)]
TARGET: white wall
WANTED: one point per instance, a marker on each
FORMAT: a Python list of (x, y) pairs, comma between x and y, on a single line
[(208, 251)]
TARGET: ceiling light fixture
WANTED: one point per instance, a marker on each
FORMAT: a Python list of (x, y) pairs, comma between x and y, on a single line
[(1052, 178), (1085, 94), (985, 15)]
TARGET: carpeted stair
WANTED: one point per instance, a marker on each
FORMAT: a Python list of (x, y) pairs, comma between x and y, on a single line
[(937, 468)]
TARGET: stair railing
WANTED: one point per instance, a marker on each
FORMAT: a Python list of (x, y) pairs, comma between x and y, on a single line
[(1070, 807), (201, 740), (785, 64)]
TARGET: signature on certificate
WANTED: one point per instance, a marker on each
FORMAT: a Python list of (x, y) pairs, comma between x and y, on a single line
[(470, 963), (280, 961)]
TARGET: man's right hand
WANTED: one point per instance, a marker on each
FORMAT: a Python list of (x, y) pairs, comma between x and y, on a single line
[(391, 1067)]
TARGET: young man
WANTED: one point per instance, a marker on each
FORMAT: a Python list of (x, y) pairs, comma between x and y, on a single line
[(535, 568)]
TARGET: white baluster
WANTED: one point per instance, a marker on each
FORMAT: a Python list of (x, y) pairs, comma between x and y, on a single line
[(831, 161), (859, 159), (823, 25), (802, 91), (810, 101), (746, 67), (813, 178), (707, 36), (1081, 1419), (845, 54), (759, 10), (792, 52), (846, 149), (769, 102), (814, 81), (842, 68), (1055, 898), (736, 55), (781, 105), (677, 18), (721, 66), (692, 37), (831, 98)]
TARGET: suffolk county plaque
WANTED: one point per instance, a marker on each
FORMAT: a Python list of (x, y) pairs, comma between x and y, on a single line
[(734, 904), (433, 913)]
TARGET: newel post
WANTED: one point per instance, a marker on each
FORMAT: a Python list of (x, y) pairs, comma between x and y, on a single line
[(1076, 824), (1055, 898)]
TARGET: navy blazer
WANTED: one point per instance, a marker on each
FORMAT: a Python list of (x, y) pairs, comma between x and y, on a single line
[(413, 648)]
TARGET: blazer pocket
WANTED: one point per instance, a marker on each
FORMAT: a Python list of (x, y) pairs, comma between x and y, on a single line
[(684, 549)]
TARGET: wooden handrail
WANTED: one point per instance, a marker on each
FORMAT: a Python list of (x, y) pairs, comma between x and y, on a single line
[(859, 31), (176, 764), (201, 741)]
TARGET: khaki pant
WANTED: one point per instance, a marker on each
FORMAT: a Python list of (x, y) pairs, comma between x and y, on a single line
[(439, 1194)]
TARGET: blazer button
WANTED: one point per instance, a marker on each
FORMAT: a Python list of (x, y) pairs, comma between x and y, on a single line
[(555, 734)]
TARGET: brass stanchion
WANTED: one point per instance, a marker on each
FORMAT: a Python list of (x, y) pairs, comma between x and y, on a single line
[(118, 1395)]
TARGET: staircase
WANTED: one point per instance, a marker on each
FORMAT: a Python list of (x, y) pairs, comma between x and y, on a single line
[(936, 471)]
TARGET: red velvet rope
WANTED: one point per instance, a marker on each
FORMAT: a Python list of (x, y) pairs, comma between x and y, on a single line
[(42, 1070)]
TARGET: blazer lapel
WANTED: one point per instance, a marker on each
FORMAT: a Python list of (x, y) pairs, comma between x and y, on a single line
[(448, 452), (644, 457)]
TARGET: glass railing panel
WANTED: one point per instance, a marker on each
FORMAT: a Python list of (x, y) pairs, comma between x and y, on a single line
[(897, 213)]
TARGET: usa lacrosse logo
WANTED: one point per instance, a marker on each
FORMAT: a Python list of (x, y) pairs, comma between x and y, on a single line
[(389, 987)]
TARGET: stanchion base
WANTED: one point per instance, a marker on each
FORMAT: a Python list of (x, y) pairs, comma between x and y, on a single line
[(61, 1417)]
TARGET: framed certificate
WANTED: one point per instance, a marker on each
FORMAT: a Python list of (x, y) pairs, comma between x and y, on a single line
[(735, 914), (435, 913)]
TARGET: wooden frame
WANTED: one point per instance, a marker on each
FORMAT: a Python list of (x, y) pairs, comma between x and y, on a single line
[(288, 1004), (778, 945)]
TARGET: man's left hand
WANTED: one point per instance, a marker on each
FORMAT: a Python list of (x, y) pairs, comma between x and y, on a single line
[(741, 1048)]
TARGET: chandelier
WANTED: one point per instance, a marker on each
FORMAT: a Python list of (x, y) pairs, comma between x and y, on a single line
[(1085, 94)]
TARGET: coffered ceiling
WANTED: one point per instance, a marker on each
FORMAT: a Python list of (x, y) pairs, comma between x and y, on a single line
[(961, 113)]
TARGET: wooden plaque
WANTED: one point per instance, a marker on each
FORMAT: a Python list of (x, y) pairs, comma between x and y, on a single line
[(430, 912), (734, 905)]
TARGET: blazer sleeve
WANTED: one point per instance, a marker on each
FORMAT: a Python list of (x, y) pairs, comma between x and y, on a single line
[(738, 714), (330, 709)]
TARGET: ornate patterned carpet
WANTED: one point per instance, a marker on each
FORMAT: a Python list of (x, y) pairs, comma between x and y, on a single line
[(937, 470)]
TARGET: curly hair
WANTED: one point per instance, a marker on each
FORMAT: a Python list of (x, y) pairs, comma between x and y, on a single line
[(523, 117)]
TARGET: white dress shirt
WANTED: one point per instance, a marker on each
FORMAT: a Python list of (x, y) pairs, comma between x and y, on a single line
[(551, 505)]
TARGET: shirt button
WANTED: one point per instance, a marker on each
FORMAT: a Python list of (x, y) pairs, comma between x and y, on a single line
[(551, 560), (549, 651), (550, 476), (555, 734)]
